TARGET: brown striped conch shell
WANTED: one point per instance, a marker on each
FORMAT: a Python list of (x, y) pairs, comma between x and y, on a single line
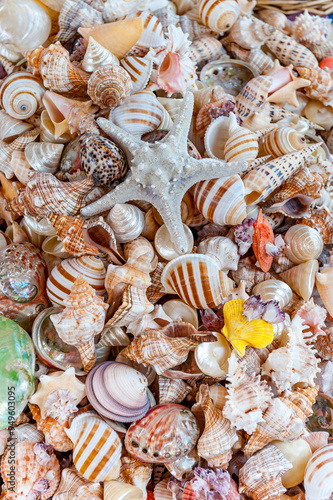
[(74, 13), (118, 37), (139, 70), (288, 51), (172, 390), (97, 447), (21, 95), (18, 144), (324, 285), (261, 476), (321, 220), (97, 56), (189, 275), (54, 432), (242, 144), (37, 470), (109, 85), (218, 16), (253, 95), (127, 221), (218, 436), (282, 141), (204, 49), (72, 485), (318, 477), (43, 156), (82, 319), (301, 278), (250, 33), (116, 490), (303, 243), (134, 305)]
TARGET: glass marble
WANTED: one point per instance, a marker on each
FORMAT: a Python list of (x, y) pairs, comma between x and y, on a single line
[(231, 74)]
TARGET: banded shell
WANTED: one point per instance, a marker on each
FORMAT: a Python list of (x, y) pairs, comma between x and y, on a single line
[(223, 249), (288, 51), (21, 95), (255, 57), (152, 35), (274, 290), (97, 56), (303, 243), (115, 490), (166, 433), (203, 49), (11, 127), (324, 50), (250, 33), (253, 95), (73, 13), (108, 86), (242, 144), (218, 16), (221, 201), (127, 221), (64, 274), (97, 447), (301, 278), (216, 133), (197, 279), (139, 113), (172, 390), (6, 151), (318, 477), (282, 141), (139, 70), (324, 287), (43, 156), (74, 486)]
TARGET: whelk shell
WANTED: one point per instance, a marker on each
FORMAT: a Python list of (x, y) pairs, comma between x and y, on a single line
[(303, 243), (97, 56), (250, 33)]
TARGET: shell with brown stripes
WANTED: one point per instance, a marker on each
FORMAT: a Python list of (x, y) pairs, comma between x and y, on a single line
[(218, 15), (282, 141), (288, 51), (221, 201), (197, 279), (318, 477), (97, 447), (242, 143)]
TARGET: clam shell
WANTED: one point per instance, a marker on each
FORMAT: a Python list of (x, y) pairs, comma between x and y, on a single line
[(303, 243), (324, 287), (97, 56), (44, 157), (109, 85), (21, 95), (318, 477), (274, 290), (301, 278), (218, 16)]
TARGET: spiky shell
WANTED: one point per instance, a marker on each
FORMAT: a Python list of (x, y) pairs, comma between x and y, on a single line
[(321, 83), (310, 30), (250, 33), (218, 16), (322, 51), (288, 51), (54, 433), (109, 85)]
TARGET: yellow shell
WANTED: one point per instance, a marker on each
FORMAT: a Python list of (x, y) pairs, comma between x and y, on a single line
[(240, 332)]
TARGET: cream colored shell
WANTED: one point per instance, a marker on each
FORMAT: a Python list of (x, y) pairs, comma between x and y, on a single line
[(303, 243)]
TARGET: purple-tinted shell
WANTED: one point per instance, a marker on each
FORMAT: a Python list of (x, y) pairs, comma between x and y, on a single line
[(273, 313), (254, 308), (243, 234)]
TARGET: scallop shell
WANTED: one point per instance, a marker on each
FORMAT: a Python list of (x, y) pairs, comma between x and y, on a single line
[(218, 16), (139, 113), (301, 278), (73, 13), (197, 279), (303, 243), (218, 437), (250, 33), (65, 273), (97, 447), (37, 470), (310, 30), (117, 37), (225, 250), (288, 51), (324, 287), (44, 157), (212, 358), (127, 221), (10, 127), (261, 476), (318, 477), (21, 95), (74, 486), (282, 141), (274, 290), (253, 95), (221, 201), (116, 490), (139, 70), (96, 56), (109, 85), (204, 49)]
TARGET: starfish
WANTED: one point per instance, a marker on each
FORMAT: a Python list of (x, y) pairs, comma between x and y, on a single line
[(162, 172)]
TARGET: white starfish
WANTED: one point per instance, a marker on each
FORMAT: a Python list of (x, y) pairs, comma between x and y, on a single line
[(162, 172)]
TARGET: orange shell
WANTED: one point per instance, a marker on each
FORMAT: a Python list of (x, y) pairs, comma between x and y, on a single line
[(326, 63), (263, 234)]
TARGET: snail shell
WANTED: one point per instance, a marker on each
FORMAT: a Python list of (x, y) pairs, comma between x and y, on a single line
[(44, 156), (97, 56), (250, 33), (21, 95), (274, 290), (11, 127), (109, 85), (218, 15), (127, 221), (303, 243), (282, 141), (318, 476)]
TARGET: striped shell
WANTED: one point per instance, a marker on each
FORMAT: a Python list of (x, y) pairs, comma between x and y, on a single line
[(221, 201), (255, 57), (127, 221), (214, 133), (197, 279), (138, 114), (282, 141), (73, 13), (152, 35), (274, 290), (324, 287), (288, 51), (11, 127), (303, 243), (139, 70), (242, 143), (21, 168), (322, 51), (318, 477), (44, 156), (203, 49), (253, 95), (97, 447), (64, 274), (301, 278), (21, 95), (250, 33), (97, 56), (218, 15), (109, 85), (72, 485), (321, 220)]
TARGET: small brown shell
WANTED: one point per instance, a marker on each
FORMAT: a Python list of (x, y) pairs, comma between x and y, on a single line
[(52, 429), (109, 85)]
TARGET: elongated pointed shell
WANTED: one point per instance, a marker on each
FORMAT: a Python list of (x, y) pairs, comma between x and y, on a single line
[(109, 85), (44, 156), (21, 95), (253, 95), (301, 278), (221, 201), (288, 51), (218, 16), (274, 290), (303, 243), (324, 282), (318, 477), (97, 56)]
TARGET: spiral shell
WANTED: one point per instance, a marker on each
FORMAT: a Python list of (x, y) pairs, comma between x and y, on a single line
[(72, 485), (139, 69), (282, 141), (109, 85), (321, 84), (320, 114), (97, 56), (274, 290), (11, 127), (250, 33), (203, 49), (253, 95), (44, 157), (288, 51), (301, 278), (216, 133), (324, 287), (126, 220), (303, 243), (218, 16), (73, 13), (21, 95), (318, 477), (21, 168), (274, 18), (322, 51), (152, 35), (242, 143), (255, 57)]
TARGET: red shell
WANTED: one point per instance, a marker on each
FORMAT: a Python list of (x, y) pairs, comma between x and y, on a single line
[(326, 63), (263, 234)]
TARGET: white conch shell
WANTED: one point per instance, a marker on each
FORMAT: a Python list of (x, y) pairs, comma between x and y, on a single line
[(298, 453), (177, 310), (164, 245), (11, 127), (274, 290), (303, 243), (126, 220), (21, 95), (115, 490), (97, 56), (44, 156), (212, 357), (324, 283), (318, 477), (224, 249)]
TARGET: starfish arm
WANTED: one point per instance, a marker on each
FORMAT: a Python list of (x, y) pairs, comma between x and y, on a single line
[(181, 125), (122, 137), (208, 168)]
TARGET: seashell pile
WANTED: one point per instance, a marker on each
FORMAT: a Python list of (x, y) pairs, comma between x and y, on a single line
[(166, 251)]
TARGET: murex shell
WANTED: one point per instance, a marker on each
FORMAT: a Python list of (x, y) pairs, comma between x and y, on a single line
[(166, 433)]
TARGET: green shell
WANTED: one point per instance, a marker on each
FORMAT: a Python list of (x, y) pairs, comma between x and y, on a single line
[(17, 366)]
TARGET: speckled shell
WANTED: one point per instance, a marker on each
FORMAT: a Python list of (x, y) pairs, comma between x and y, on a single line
[(204, 48), (318, 477), (54, 433), (97, 56), (282, 141), (166, 433), (325, 288), (97, 447), (255, 57), (310, 30), (253, 95), (250, 33), (261, 476), (109, 85), (218, 16), (31, 470), (221, 201), (197, 279), (301, 278), (74, 486), (303, 243), (65, 273), (139, 70), (288, 51), (21, 95), (274, 290), (73, 13)]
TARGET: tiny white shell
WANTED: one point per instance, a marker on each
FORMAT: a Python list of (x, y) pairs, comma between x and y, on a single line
[(212, 357)]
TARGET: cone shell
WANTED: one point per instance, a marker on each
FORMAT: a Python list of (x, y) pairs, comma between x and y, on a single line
[(204, 49), (138, 114), (118, 37), (97, 56), (62, 277), (108, 86), (21, 95), (282, 141), (324, 285), (116, 490), (167, 432), (301, 278), (218, 16), (250, 33), (288, 51), (221, 201), (318, 477), (197, 279), (31, 470), (43, 156), (303, 243), (97, 447), (274, 290)]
